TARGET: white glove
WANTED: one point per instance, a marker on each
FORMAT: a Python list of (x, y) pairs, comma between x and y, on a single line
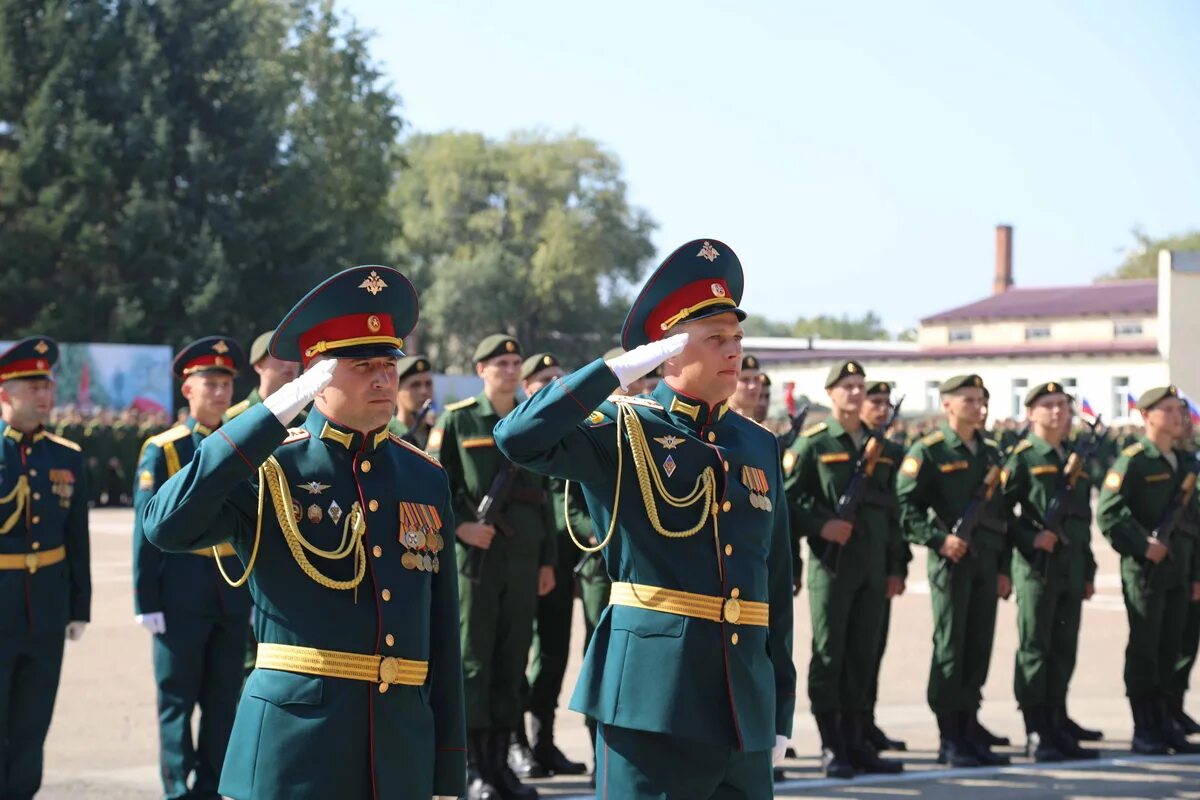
[(779, 749), (154, 622), (75, 630), (640, 361), (288, 400)]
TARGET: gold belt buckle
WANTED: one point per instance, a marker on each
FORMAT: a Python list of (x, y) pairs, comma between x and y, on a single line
[(32, 562), (733, 610), (389, 670)]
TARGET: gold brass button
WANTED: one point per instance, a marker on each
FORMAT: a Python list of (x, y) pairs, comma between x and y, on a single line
[(728, 549), (33, 473), (389, 670), (391, 640), (36, 545), (377, 551), (712, 437), (726, 505), (726, 465), (736, 592), (36, 520), (373, 505), (37, 495), (365, 466), (383, 687), (733, 639), (386, 594)]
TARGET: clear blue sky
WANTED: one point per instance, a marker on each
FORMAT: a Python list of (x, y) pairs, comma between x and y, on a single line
[(855, 159)]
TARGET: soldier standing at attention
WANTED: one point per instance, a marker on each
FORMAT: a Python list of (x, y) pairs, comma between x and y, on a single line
[(45, 568), (343, 529), (847, 574), (199, 624), (416, 389), (1191, 628), (955, 473), (272, 373), (745, 400), (514, 564), (1146, 494), (552, 632), (1053, 569), (689, 674), (764, 398)]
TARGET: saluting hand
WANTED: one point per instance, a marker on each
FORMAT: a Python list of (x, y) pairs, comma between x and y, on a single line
[(640, 361), (288, 400)]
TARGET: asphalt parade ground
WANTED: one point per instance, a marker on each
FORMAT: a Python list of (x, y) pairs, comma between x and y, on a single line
[(103, 741)]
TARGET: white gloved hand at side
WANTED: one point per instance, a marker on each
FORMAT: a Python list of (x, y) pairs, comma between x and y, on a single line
[(641, 361), (288, 400), (154, 622), (75, 630), (779, 749)]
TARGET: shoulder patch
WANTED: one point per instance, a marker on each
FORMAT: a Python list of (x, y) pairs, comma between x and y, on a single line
[(1133, 449), (296, 435), (237, 408), (789, 461), (435, 439), (169, 435), (1112, 481), (67, 443), (813, 430), (933, 438), (470, 401), (1022, 447), (645, 402), (397, 440), (145, 480), (597, 418), (911, 466)]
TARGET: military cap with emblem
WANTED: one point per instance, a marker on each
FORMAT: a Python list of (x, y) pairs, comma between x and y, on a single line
[(878, 387), (960, 382), (1043, 389), (498, 344), (843, 369), (701, 279), (536, 363), (361, 312), (261, 347), (412, 365), (29, 358), (210, 354), (1152, 397)]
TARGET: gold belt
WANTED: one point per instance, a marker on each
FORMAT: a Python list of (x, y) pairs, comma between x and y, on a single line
[(223, 549), (33, 561), (335, 664), (688, 604)]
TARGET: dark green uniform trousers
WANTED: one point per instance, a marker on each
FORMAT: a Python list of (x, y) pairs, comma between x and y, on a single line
[(198, 661), (885, 625), (847, 618), (964, 621), (497, 616), (551, 643), (594, 589), (29, 670), (1048, 615), (1157, 618), (640, 765), (1187, 655)]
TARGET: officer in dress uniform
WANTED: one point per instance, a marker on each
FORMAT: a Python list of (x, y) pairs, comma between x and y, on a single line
[(690, 672), (45, 578), (416, 389), (342, 530), (199, 624)]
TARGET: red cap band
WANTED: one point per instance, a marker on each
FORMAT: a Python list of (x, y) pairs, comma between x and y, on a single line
[(684, 302)]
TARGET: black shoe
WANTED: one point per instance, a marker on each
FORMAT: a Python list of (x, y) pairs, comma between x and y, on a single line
[(780, 775), (982, 735), (1067, 744), (1188, 725), (521, 760), (979, 739), (503, 778), (1039, 745), (1171, 734), (479, 771), (953, 751), (1147, 739), (861, 754), (881, 741), (834, 761), (1075, 730), (546, 755)]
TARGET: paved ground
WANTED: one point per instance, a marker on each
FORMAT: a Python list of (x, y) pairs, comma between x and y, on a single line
[(102, 744)]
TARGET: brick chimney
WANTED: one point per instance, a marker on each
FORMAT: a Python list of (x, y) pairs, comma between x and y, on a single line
[(1004, 273)]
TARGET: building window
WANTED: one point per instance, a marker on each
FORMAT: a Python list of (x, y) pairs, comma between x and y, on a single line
[(1036, 332), (1120, 390), (933, 398), (1127, 330), (960, 335), (1019, 389)]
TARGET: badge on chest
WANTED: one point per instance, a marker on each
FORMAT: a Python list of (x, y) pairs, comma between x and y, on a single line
[(755, 480), (419, 533)]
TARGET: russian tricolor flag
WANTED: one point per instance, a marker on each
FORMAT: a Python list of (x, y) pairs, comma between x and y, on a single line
[(1085, 408), (1130, 403)]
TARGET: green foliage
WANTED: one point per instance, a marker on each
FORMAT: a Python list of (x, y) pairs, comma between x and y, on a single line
[(532, 235), (1141, 261)]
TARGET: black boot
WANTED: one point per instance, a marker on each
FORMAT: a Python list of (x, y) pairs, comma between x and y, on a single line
[(985, 736), (979, 739), (1147, 739), (546, 754), (1186, 724), (1067, 744), (1077, 731), (503, 778), (1171, 734), (954, 751), (833, 749), (1039, 745), (880, 740), (479, 768), (862, 755), (520, 758)]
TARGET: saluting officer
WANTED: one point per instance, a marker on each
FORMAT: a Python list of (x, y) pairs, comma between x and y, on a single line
[(45, 577)]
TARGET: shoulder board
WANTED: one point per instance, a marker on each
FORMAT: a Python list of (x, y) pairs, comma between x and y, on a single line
[(933, 438), (1133, 449), (991, 442), (470, 401), (813, 430), (169, 435), (396, 439), (1022, 447), (598, 418), (645, 402), (237, 408), (54, 437), (296, 435)]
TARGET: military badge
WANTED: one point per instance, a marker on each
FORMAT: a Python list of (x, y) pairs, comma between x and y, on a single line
[(315, 514), (669, 466), (313, 487), (708, 252), (297, 511), (335, 512), (419, 525), (373, 283), (1112, 481), (755, 480), (669, 442), (910, 467), (62, 485), (145, 480)]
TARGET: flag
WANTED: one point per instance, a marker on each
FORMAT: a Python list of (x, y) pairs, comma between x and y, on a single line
[(1193, 412), (1085, 408), (1130, 403), (789, 398)]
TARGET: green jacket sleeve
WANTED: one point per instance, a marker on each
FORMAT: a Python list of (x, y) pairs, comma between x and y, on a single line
[(803, 486), (913, 486), (1015, 481), (151, 473), (444, 447), (1113, 515)]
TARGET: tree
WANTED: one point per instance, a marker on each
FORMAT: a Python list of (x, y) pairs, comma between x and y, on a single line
[(1141, 260), (868, 326), (532, 235)]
